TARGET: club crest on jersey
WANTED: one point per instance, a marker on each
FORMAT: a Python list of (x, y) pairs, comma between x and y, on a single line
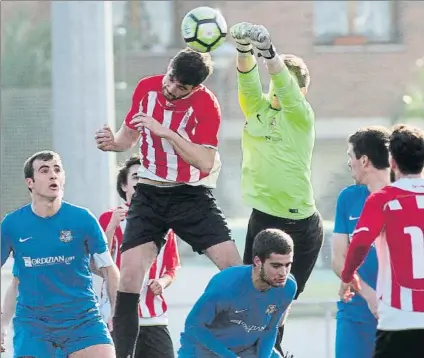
[(271, 309), (65, 236)]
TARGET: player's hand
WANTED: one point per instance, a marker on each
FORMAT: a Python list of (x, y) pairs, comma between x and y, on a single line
[(347, 290), (156, 287), (105, 139), (141, 120), (259, 37), (118, 215), (241, 32)]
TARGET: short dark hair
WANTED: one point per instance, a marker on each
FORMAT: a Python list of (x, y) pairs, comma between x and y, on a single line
[(122, 178), (272, 241), (407, 148), (45, 156), (298, 68), (372, 141), (191, 68)]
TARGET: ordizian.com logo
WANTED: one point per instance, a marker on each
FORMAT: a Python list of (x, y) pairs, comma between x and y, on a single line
[(47, 261)]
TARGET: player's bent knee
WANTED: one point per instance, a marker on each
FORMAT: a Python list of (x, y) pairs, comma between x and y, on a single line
[(224, 254)]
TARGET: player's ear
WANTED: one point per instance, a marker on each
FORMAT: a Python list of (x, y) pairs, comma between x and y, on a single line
[(257, 261), (29, 183), (393, 164), (364, 160)]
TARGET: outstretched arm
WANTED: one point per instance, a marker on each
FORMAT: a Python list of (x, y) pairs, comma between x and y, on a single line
[(203, 313), (249, 85), (286, 87)]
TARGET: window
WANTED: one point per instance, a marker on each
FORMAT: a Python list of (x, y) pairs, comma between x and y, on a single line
[(356, 22), (148, 24)]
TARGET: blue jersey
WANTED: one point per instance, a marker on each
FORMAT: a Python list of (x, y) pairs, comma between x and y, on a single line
[(232, 318), (349, 207), (52, 261)]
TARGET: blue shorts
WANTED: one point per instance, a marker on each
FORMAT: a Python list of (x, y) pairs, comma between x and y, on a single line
[(36, 338), (355, 339)]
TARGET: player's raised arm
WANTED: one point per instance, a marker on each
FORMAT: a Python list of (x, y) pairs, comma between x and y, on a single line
[(203, 313), (289, 78), (251, 97), (368, 228), (127, 136)]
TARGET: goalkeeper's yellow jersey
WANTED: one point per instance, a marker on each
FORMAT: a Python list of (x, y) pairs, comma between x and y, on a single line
[(277, 147)]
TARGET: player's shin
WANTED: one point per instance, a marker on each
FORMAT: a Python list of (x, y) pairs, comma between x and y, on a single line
[(125, 323)]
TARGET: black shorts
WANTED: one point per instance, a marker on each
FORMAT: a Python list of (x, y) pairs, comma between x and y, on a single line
[(396, 344), (307, 235), (154, 342), (190, 211)]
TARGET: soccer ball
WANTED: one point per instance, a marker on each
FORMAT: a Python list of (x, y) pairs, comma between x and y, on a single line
[(204, 29)]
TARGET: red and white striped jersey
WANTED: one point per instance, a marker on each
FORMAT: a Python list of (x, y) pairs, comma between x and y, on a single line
[(152, 309), (394, 217), (196, 118)]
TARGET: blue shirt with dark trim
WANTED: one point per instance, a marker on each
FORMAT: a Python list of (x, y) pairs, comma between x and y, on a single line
[(233, 319), (52, 262), (349, 207)]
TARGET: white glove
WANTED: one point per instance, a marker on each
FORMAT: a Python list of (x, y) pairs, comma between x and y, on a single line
[(240, 33), (260, 38)]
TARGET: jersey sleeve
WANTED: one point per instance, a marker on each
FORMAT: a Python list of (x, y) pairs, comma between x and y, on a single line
[(6, 240), (135, 103), (294, 105), (369, 226), (171, 255), (104, 219), (96, 239), (209, 305), (208, 113), (340, 221), (250, 95)]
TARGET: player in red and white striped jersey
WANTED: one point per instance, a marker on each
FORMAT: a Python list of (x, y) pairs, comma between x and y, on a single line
[(176, 119), (153, 338), (394, 218)]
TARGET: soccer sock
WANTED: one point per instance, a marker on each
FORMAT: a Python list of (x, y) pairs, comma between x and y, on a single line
[(279, 340), (125, 323)]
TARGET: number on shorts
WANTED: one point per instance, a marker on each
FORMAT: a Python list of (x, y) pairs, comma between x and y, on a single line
[(417, 250)]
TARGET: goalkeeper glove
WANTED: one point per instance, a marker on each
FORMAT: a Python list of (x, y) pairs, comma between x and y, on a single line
[(260, 38), (240, 33)]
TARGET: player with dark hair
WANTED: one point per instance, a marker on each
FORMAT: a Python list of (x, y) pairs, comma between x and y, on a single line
[(369, 163), (154, 340), (53, 243), (278, 138), (177, 120), (239, 312), (394, 218)]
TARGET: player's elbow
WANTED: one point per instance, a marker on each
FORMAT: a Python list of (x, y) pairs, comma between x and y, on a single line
[(206, 167), (207, 162)]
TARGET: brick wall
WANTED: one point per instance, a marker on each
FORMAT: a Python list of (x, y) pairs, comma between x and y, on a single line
[(360, 83)]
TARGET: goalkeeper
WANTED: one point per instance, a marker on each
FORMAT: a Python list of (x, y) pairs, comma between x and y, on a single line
[(277, 144)]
